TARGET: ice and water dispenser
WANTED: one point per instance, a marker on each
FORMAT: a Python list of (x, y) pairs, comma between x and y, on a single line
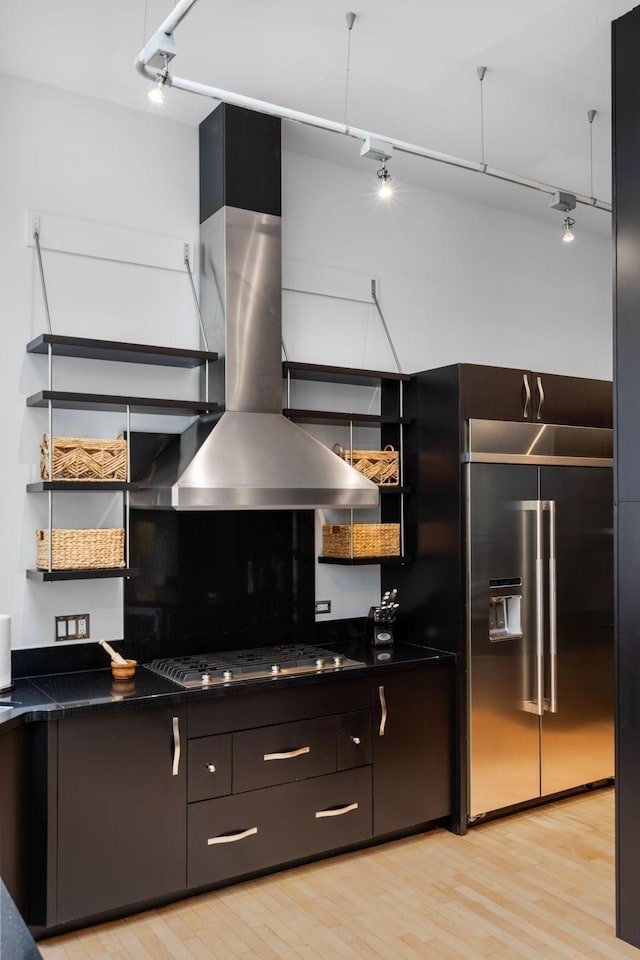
[(505, 609)]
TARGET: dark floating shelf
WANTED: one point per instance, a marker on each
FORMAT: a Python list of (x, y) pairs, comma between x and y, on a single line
[(71, 486), (339, 418), (89, 349), (110, 572), (63, 400), (329, 374), (361, 561)]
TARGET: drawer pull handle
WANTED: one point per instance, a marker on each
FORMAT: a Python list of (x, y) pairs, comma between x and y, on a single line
[(175, 767), (288, 754), (211, 767), (336, 811), (540, 398), (232, 837), (383, 709), (356, 740), (527, 393)]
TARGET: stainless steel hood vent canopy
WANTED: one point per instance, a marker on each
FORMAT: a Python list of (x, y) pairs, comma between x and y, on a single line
[(251, 457)]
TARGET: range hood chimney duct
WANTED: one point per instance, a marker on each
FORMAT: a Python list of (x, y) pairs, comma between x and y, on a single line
[(251, 457)]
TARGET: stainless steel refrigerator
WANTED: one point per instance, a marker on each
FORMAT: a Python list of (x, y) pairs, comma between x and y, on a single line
[(539, 553)]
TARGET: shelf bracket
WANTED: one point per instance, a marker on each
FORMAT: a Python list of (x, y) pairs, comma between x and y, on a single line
[(36, 239), (384, 323), (187, 263)]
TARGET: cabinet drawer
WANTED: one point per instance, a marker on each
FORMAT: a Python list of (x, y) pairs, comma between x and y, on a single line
[(332, 694), (354, 740), (235, 836), (282, 753), (333, 811), (209, 768)]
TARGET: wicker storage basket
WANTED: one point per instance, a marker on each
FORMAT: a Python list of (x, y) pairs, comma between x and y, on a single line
[(369, 540), (83, 458), (81, 549), (380, 466)]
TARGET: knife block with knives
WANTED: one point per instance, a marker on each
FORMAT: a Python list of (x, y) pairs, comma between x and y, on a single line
[(380, 620)]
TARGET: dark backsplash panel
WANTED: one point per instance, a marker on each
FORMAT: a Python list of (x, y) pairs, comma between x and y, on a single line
[(222, 580)]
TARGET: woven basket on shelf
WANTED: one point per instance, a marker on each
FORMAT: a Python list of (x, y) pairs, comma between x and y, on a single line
[(81, 549), (84, 458), (380, 466), (369, 540)]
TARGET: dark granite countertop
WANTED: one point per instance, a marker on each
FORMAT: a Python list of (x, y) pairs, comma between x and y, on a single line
[(55, 696), (16, 943)]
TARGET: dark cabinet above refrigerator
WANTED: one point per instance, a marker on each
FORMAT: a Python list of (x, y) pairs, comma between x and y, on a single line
[(497, 393)]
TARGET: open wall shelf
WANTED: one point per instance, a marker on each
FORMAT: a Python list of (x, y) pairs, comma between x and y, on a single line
[(50, 576), (82, 348), (89, 349)]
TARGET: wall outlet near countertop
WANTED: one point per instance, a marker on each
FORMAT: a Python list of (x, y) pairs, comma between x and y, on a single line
[(72, 626), (323, 606)]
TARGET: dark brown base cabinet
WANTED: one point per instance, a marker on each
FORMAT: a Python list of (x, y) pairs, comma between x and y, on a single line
[(412, 771), (121, 810), (145, 805), (15, 748)]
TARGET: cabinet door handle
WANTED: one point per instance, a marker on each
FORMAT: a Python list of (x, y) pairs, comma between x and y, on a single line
[(211, 767), (383, 708), (232, 837), (527, 395), (355, 740), (540, 398), (336, 811), (176, 746), (288, 754)]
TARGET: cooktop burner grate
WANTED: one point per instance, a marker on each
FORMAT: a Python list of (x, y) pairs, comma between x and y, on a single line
[(232, 666)]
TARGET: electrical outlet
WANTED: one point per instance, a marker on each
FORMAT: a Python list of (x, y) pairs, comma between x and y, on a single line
[(72, 626), (323, 606)]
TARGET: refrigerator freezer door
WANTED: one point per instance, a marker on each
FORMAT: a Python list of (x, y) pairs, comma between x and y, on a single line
[(504, 725), (577, 739)]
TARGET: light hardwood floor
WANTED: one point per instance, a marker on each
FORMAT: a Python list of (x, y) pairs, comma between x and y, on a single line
[(534, 885)]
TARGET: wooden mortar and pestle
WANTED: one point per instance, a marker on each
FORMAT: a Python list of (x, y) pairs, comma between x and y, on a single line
[(120, 668)]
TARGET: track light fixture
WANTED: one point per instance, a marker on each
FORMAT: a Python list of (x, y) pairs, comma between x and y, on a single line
[(159, 52), (565, 202), (375, 149)]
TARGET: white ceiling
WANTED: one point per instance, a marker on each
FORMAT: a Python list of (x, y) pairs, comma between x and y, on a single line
[(412, 76)]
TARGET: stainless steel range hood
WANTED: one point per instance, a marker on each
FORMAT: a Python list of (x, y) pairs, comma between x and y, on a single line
[(250, 457)]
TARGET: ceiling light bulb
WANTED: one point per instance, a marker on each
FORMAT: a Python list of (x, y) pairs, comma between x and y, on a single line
[(156, 94), (567, 233), (385, 190)]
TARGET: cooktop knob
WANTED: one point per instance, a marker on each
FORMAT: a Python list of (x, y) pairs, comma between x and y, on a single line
[(227, 675), (320, 663), (206, 678), (338, 660), (276, 669)]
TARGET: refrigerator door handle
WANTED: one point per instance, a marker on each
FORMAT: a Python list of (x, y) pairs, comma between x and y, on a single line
[(536, 704), (552, 703), (539, 600)]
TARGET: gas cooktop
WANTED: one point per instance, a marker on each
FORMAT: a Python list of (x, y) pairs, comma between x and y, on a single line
[(261, 663)]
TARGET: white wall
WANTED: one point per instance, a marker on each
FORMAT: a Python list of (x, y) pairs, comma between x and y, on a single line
[(457, 282), (89, 161)]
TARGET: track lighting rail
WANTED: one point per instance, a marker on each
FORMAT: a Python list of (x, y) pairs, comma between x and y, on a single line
[(146, 56)]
